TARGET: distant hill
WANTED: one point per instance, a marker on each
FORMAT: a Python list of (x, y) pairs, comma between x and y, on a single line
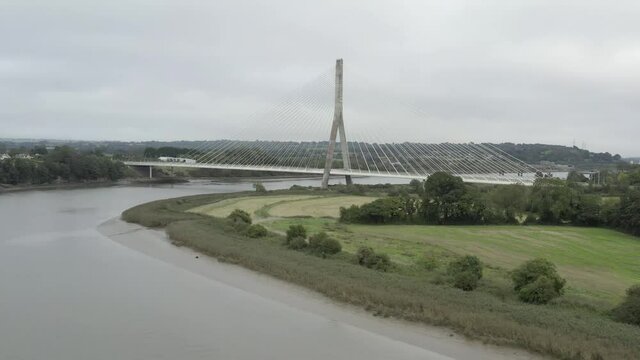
[(533, 154), (558, 154)]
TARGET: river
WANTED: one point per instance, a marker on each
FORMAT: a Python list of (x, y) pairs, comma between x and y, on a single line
[(77, 283)]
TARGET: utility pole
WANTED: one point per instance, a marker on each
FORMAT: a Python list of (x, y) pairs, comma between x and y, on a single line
[(338, 125)]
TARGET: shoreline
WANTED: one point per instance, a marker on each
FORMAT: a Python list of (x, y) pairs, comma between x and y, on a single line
[(442, 341), (6, 189)]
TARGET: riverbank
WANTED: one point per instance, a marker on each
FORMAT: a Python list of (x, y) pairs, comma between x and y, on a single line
[(439, 343), (4, 188), (564, 332), (141, 181)]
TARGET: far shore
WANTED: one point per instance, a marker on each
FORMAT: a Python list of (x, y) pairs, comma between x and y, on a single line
[(7, 188)]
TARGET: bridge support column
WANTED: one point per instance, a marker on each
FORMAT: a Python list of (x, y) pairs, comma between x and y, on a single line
[(150, 172), (338, 125)]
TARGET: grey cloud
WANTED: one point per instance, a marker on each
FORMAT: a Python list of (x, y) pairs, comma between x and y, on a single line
[(544, 71)]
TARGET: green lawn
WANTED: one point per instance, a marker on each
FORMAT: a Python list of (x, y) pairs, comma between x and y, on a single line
[(250, 204), (597, 263), (283, 206)]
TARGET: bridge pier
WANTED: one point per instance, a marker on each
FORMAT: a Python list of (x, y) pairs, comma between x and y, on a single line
[(150, 172), (338, 125), (347, 178)]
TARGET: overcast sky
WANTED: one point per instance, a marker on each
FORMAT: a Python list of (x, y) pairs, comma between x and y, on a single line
[(535, 71)]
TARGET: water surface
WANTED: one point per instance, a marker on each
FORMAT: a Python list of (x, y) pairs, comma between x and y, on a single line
[(69, 292)]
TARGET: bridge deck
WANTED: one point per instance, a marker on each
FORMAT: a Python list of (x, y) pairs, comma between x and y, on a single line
[(488, 178)]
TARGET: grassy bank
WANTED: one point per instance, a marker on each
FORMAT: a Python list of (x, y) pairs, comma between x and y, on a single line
[(562, 330)]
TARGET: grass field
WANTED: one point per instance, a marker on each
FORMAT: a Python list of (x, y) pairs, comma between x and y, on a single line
[(283, 206), (250, 204), (317, 207), (597, 263)]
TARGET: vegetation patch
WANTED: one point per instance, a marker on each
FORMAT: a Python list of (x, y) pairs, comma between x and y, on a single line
[(408, 290), (367, 257), (250, 204), (327, 206), (629, 311), (466, 272)]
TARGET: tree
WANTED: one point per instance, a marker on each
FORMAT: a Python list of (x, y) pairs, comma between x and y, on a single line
[(350, 214), (447, 200), (509, 200), (239, 216), (259, 187), (553, 200), (629, 310), (257, 231), (417, 186), (39, 150), (541, 291), (367, 257), (466, 272), (322, 245), (628, 214), (587, 210), (531, 280), (467, 263), (384, 210), (296, 231)]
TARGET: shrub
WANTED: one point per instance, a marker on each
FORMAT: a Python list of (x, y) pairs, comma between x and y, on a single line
[(531, 270), (350, 214), (297, 243), (296, 231), (468, 263), (323, 245), (541, 291), (466, 271), (465, 280), (629, 311), (363, 254), (239, 216), (256, 231), (259, 187), (367, 257)]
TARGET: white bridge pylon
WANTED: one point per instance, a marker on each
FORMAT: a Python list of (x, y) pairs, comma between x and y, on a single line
[(356, 156)]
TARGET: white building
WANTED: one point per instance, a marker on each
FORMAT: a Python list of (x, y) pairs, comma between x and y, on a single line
[(4, 156)]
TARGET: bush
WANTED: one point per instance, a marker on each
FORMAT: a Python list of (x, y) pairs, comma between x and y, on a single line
[(367, 257), (257, 231), (296, 231), (239, 216), (629, 311), (259, 187), (322, 245), (297, 243), (466, 272), (465, 280), (540, 291), (468, 263), (531, 270)]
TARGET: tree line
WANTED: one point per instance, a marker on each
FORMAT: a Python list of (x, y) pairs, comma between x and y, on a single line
[(444, 199), (61, 164)]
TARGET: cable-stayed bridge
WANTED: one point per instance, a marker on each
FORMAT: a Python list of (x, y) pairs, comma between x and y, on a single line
[(360, 153)]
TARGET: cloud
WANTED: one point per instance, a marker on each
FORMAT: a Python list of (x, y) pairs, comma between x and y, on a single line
[(547, 71)]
